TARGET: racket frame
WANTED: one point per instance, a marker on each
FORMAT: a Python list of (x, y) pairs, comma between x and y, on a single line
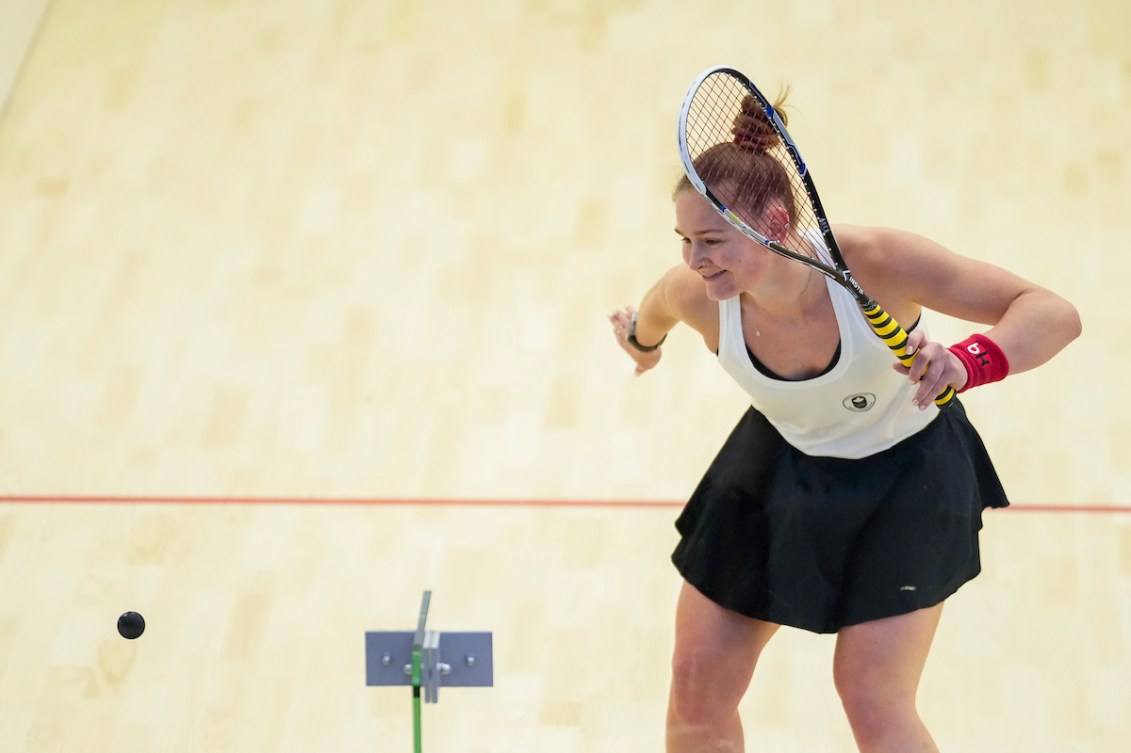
[(885, 327)]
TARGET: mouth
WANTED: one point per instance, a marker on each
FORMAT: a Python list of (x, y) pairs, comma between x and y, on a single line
[(713, 275)]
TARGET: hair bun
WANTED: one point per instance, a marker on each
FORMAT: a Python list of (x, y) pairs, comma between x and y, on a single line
[(752, 129)]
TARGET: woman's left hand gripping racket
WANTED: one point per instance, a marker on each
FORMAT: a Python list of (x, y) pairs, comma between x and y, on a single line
[(718, 99)]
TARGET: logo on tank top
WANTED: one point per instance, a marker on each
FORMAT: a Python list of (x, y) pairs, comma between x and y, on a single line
[(860, 402)]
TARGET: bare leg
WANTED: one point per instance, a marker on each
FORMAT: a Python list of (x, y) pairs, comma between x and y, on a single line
[(877, 668), (715, 654)]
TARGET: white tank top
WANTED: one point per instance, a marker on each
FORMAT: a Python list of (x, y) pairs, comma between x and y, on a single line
[(857, 408)]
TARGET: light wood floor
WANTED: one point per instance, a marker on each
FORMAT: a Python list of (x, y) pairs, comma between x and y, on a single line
[(293, 260)]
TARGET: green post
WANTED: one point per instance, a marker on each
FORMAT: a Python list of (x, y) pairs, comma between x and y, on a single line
[(417, 680)]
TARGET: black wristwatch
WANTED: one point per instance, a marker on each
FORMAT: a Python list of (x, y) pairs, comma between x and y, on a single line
[(636, 343)]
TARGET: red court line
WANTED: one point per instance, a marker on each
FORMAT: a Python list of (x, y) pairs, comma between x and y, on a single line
[(332, 501), (448, 502)]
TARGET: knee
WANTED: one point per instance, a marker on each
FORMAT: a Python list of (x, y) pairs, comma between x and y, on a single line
[(706, 688), (866, 714), (874, 706)]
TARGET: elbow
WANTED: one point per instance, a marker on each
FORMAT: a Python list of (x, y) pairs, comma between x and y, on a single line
[(1070, 319), (1058, 317)]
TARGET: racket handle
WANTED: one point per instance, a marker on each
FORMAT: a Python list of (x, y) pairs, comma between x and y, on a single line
[(894, 336)]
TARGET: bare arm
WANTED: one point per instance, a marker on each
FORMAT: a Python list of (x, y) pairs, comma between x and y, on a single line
[(676, 297), (1029, 323)]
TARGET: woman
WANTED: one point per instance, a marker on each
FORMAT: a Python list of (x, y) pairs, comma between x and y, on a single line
[(844, 501)]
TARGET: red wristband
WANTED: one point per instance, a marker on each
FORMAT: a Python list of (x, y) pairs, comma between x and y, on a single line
[(983, 360)]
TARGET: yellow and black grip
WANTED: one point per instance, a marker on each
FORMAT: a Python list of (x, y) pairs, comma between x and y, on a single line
[(894, 337)]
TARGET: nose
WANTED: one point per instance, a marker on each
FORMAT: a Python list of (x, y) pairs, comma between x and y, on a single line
[(697, 255)]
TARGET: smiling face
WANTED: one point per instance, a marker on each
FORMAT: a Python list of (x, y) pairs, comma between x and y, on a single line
[(728, 261)]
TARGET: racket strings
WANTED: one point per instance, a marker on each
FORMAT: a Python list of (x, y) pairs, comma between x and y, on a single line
[(739, 156)]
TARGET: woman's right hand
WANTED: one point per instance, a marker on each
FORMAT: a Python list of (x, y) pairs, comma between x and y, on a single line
[(622, 321)]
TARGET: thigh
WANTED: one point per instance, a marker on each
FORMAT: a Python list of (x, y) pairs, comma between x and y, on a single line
[(884, 658), (716, 649)]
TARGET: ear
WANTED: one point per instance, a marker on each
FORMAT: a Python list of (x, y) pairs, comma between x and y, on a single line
[(777, 222)]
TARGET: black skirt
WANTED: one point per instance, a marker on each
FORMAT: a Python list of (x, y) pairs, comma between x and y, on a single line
[(819, 543)]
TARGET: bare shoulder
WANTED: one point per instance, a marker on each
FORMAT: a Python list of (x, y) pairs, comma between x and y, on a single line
[(884, 256), (887, 262), (868, 248)]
